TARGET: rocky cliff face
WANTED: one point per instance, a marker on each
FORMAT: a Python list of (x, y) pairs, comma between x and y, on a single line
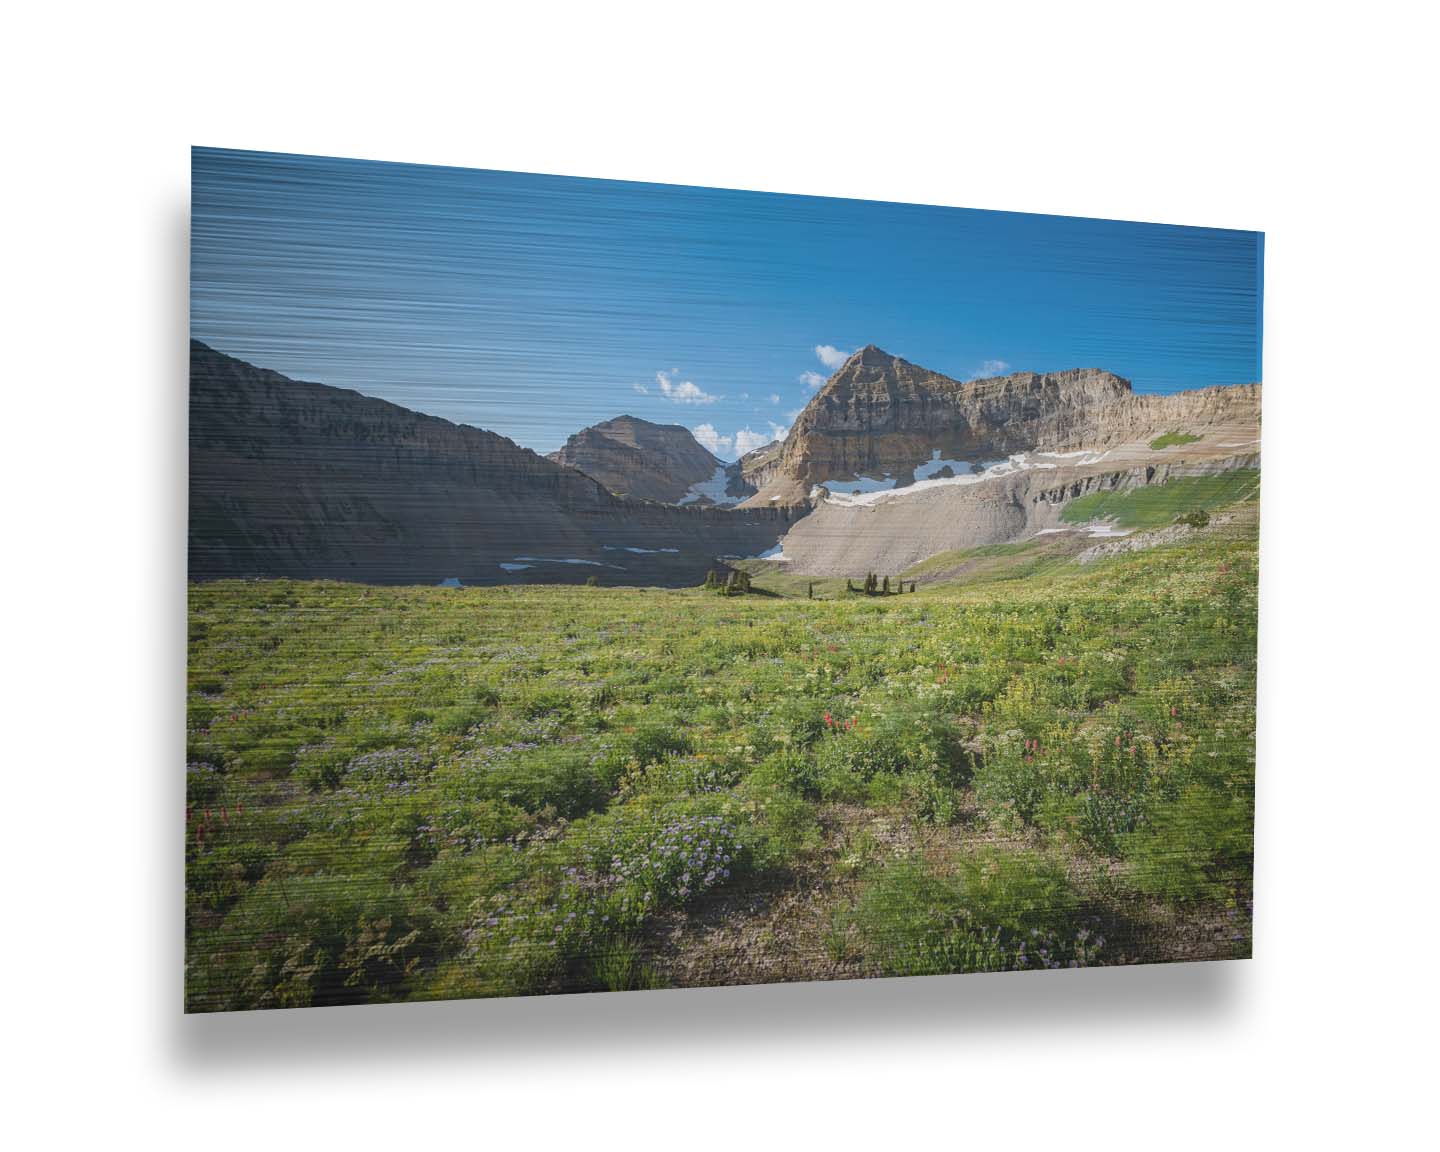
[(881, 416), (303, 480), (754, 470), (633, 457)]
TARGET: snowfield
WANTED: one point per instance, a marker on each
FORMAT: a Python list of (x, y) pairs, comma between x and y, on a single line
[(712, 489), (990, 470)]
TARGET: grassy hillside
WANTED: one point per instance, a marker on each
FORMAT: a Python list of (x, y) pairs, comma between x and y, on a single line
[(1171, 439), (413, 793), (1156, 505)]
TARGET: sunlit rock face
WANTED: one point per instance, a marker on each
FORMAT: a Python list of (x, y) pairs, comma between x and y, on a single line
[(633, 457), (882, 417)]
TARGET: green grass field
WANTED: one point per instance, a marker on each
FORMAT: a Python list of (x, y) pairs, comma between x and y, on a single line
[(1170, 439), (1157, 505), (415, 793)]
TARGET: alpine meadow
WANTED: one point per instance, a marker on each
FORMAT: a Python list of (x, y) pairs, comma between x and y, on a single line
[(580, 602)]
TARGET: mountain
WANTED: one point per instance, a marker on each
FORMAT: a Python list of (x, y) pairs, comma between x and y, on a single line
[(297, 479), (889, 464), (756, 468), (633, 457), (882, 419), (899, 463)]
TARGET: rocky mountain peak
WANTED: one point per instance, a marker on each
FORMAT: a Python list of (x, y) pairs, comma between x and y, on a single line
[(635, 457), (871, 356), (880, 415)]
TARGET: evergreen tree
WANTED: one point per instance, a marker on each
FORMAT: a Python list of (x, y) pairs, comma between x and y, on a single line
[(885, 588)]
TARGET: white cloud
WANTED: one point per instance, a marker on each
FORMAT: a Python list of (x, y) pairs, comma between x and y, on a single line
[(774, 398), (747, 440), (812, 380), (640, 388), (831, 356), (991, 368), (711, 440), (683, 392), (779, 431)]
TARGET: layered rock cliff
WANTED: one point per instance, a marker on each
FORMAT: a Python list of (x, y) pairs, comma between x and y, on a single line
[(893, 530), (297, 479), (881, 416), (755, 469)]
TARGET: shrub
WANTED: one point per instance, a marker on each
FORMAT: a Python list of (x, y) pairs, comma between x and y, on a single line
[(1196, 847), (316, 939), (561, 778), (999, 911), (619, 968)]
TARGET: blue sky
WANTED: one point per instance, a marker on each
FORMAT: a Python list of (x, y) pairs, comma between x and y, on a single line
[(536, 305)]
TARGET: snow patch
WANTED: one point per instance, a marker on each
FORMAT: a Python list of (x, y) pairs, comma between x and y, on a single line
[(935, 464), (1096, 530), (516, 567), (450, 582), (867, 485), (712, 489), (1019, 462), (637, 551), (775, 553), (531, 561)]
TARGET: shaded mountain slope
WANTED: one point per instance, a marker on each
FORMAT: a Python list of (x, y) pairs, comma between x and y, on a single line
[(298, 479)]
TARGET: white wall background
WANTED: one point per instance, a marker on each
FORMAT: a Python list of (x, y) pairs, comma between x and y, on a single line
[(1315, 124)]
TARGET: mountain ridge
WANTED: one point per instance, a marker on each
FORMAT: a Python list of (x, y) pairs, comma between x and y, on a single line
[(300, 479), (879, 415)]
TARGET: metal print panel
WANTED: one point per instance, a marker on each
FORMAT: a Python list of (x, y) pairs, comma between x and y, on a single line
[(604, 586)]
